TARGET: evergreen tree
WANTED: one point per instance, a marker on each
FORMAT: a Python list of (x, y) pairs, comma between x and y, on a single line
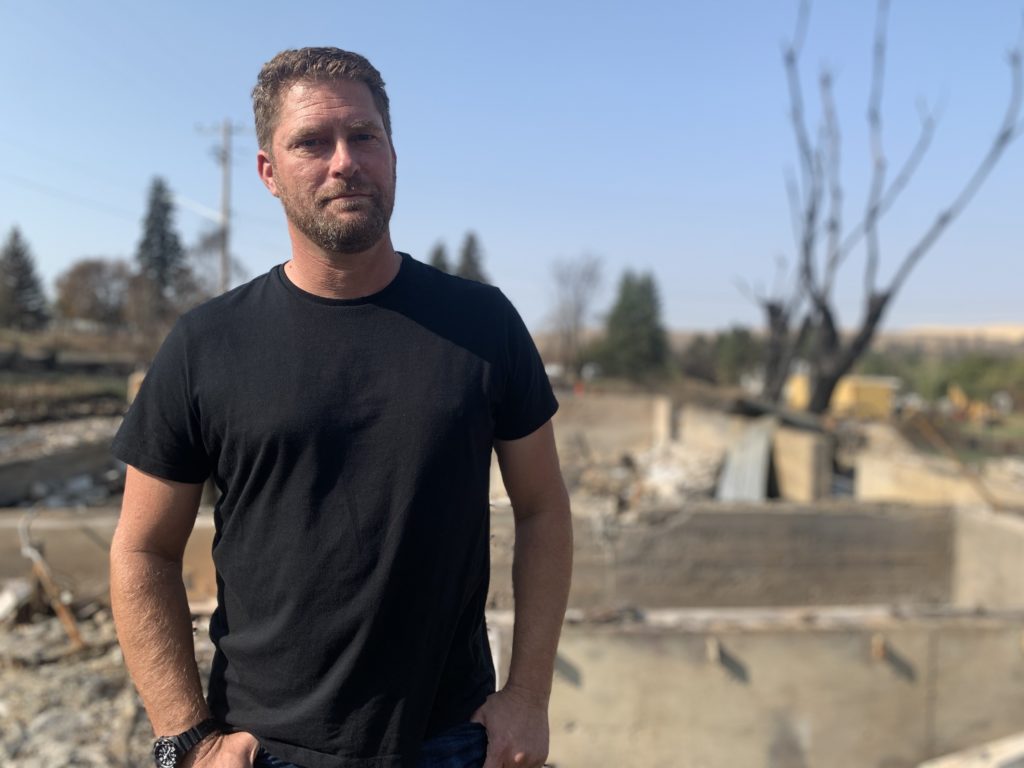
[(439, 258), (22, 302), (471, 260), (737, 352), (635, 344), (160, 255)]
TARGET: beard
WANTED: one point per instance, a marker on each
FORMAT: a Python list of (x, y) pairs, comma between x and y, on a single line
[(341, 225)]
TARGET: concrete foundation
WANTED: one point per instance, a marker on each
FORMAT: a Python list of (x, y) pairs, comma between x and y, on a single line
[(753, 555), (988, 560), (719, 690), (655, 669)]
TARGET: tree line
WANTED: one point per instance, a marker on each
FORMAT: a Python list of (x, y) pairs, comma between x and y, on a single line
[(145, 296)]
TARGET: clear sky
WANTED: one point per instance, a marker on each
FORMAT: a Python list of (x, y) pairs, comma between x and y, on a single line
[(652, 134)]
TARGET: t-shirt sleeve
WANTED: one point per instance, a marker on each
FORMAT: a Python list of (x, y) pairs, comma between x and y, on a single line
[(527, 401), (161, 433)]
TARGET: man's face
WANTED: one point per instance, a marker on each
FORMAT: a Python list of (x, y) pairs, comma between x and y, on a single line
[(332, 165)]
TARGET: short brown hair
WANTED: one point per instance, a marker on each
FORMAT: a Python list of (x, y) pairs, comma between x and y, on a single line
[(311, 64)]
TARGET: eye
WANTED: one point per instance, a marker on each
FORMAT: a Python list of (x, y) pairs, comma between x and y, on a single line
[(364, 137)]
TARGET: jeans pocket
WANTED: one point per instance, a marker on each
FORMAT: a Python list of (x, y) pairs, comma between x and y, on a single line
[(462, 746)]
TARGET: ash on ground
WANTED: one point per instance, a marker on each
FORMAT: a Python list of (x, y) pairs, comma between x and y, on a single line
[(66, 708)]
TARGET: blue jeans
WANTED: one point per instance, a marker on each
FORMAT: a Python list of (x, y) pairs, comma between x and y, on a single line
[(464, 746)]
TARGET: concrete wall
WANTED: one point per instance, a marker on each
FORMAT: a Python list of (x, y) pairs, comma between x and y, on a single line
[(989, 560), (926, 480), (76, 545), (712, 430), (710, 555), (778, 696), (611, 425), (17, 477), (753, 555)]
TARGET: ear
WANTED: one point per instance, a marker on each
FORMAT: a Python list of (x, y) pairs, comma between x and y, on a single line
[(265, 169)]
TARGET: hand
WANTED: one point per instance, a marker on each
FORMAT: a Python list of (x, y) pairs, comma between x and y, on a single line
[(224, 750), (517, 728)]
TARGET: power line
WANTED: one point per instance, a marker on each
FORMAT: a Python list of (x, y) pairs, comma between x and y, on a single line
[(70, 197)]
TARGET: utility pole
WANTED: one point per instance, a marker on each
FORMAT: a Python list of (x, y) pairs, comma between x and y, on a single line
[(225, 205), (222, 154)]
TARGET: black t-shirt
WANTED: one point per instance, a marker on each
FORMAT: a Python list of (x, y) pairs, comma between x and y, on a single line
[(351, 442)]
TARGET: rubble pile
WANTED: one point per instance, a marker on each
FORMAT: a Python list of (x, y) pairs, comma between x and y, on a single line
[(670, 475), (72, 708), (1009, 469), (85, 490), (38, 440), (679, 472)]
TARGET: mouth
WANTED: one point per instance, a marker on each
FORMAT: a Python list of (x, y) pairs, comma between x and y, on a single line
[(324, 202)]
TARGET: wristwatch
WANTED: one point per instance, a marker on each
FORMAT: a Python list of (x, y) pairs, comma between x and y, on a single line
[(169, 751)]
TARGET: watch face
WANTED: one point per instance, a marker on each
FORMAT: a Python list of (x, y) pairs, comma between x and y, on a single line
[(165, 753)]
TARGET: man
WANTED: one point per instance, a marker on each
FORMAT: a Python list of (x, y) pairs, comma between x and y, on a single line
[(345, 405)]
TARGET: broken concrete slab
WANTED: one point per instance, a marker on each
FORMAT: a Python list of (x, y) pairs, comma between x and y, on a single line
[(14, 594), (1002, 753), (803, 464), (912, 478)]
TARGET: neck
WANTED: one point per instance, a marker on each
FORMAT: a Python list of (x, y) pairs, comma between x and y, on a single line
[(342, 275)]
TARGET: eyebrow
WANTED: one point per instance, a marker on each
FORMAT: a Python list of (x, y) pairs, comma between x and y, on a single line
[(361, 124)]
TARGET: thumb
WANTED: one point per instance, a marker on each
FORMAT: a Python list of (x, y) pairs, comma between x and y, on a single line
[(493, 759)]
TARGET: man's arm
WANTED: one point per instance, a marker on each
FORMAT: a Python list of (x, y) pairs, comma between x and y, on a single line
[(517, 716), (151, 612)]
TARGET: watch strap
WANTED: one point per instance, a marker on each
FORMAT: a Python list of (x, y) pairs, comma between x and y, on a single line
[(187, 740)]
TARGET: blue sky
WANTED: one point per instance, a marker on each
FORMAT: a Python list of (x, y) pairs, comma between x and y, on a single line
[(652, 134)]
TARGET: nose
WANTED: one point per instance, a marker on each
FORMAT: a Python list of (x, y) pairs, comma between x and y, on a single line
[(343, 162)]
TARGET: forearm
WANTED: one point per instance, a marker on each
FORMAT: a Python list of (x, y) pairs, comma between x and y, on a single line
[(154, 628), (541, 574)]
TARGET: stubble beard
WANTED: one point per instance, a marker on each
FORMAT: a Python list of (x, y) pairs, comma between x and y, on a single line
[(364, 222)]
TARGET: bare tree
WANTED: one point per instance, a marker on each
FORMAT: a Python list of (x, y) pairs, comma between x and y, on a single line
[(95, 289), (204, 259), (803, 319), (576, 281)]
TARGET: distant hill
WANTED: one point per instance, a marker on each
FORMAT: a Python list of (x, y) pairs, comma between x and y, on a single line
[(939, 339), (954, 338)]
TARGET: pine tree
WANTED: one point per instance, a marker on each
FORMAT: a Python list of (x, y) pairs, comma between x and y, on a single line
[(635, 343), (439, 258), (22, 302), (471, 260), (160, 255)]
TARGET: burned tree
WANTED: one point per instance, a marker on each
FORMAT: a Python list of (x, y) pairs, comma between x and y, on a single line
[(803, 320)]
